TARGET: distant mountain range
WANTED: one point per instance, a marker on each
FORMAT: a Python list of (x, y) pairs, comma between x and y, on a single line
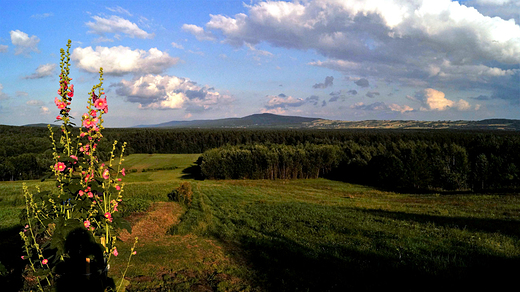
[(295, 122)]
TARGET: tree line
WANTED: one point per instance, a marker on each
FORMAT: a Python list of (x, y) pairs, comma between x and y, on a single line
[(417, 159), (403, 165)]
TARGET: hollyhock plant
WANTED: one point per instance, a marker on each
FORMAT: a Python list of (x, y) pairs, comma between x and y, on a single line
[(85, 198)]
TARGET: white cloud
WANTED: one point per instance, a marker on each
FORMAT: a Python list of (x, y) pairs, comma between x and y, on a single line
[(42, 71), (35, 102), (3, 95), (177, 46), (423, 42), (278, 104), (23, 43), (199, 32), (44, 110), (435, 100), (122, 60), (119, 9), (171, 92), (381, 106), (43, 15), (116, 24), (3, 48)]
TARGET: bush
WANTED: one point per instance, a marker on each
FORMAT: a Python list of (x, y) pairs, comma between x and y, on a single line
[(182, 194)]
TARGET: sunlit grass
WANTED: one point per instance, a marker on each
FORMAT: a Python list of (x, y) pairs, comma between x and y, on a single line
[(312, 235)]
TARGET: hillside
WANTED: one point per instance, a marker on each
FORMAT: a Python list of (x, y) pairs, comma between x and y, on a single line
[(295, 122)]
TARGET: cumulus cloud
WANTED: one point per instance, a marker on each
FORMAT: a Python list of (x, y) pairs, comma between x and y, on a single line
[(278, 104), (122, 60), (44, 110), (435, 100), (199, 32), (170, 92), (23, 43), (329, 81), (42, 71), (362, 82), (117, 25), (381, 106), (369, 38), (372, 94), (3, 48)]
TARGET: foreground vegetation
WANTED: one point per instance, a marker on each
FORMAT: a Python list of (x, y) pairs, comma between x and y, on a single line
[(297, 235)]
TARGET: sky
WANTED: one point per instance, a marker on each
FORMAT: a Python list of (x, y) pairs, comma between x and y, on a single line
[(335, 59)]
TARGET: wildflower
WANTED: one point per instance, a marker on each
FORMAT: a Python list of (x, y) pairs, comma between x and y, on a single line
[(123, 172), (106, 174), (71, 93), (23, 258), (134, 252), (90, 195), (115, 252), (56, 101), (58, 118), (118, 188), (93, 113), (87, 123), (81, 193), (45, 261), (87, 224), (101, 103), (60, 166), (61, 105), (108, 216)]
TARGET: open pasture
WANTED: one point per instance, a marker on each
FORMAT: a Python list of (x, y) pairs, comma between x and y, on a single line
[(298, 235)]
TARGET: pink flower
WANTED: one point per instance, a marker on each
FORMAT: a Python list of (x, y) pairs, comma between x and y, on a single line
[(90, 195), (60, 166), (108, 216), (45, 261), (93, 113), (81, 193), (74, 157), (61, 105), (23, 258), (58, 118), (71, 93), (118, 188), (123, 172), (87, 224), (56, 101), (101, 103), (115, 252), (134, 253), (82, 134), (87, 123), (106, 174)]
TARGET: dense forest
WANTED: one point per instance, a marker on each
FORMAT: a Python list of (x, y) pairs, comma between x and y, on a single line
[(397, 159)]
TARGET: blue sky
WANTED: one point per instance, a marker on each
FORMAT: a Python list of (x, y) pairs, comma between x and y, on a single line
[(186, 60)]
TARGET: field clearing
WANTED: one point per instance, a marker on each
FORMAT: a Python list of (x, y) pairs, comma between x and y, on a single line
[(300, 235)]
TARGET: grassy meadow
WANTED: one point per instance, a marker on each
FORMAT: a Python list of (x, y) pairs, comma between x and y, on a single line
[(296, 235)]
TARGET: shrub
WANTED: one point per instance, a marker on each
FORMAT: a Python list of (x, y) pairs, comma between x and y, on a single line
[(183, 194)]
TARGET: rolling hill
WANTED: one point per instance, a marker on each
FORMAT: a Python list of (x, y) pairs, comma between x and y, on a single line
[(295, 122)]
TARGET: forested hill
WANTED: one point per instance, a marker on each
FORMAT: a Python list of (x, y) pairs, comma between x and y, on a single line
[(296, 122), (252, 121)]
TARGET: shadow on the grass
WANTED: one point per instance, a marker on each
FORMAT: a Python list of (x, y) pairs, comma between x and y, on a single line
[(10, 256)]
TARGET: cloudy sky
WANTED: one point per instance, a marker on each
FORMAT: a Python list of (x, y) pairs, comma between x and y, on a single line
[(334, 59)]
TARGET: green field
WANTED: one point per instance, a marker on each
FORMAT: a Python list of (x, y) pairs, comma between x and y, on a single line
[(299, 235)]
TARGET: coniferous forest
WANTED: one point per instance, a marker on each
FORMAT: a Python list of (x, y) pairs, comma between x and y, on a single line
[(415, 160)]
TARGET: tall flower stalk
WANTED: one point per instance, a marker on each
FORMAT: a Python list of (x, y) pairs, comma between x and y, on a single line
[(73, 229)]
